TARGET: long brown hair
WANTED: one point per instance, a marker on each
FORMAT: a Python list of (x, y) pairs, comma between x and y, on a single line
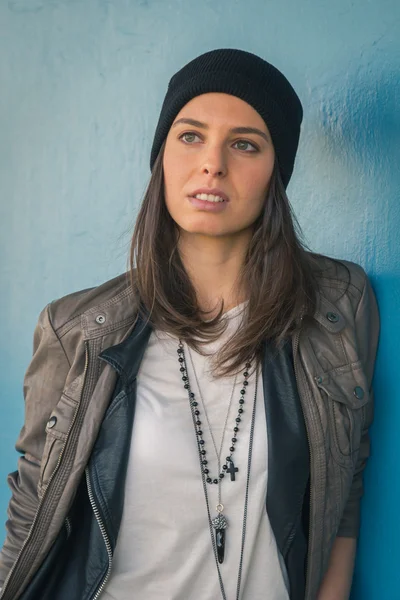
[(277, 274)]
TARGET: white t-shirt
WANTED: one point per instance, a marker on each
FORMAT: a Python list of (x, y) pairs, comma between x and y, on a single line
[(164, 549)]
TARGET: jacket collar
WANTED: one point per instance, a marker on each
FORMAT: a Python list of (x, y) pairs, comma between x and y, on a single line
[(119, 313), (121, 356)]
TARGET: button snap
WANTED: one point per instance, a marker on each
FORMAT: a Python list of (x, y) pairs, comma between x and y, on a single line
[(100, 319), (319, 380), (332, 317), (51, 422), (359, 392)]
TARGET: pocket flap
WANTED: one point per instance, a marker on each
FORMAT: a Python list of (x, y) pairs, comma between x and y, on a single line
[(347, 385), (61, 417)]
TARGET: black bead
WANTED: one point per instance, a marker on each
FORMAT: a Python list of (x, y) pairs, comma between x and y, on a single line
[(206, 471), (221, 475), (203, 452), (248, 365), (201, 442), (225, 467), (238, 419), (196, 412), (180, 359), (204, 462), (184, 378), (232, 448), (182, 369), (241, 401), (245, 383), (198, 422), (194, 403), (236, 429), (240, 411), (186, 386), (234, 440), (228, 458), (243, 392), (209, 480), (191, 394), (246, 373), (180, 350), (199, 432), (215, 480)]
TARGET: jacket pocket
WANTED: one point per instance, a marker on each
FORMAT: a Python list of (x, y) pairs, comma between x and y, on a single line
[(57, 430), (345, 391)]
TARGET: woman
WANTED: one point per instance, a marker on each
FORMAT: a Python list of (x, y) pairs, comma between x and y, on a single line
[(198, 429)]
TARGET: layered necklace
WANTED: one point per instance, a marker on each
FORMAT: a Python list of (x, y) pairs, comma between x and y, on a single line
[(220, 523)]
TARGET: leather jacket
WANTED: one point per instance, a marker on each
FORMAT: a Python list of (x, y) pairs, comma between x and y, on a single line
[(69, 389)]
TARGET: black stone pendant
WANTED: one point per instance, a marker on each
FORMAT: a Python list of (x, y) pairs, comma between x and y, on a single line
[(220, 524), (220, 543)]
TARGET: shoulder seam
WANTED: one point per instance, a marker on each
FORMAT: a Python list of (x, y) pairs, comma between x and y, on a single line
[(56, 334), (362, 295)]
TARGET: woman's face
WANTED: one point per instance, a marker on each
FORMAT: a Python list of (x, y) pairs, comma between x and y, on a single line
[(217, 144)]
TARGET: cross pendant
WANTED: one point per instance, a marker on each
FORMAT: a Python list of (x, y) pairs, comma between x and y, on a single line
[(232, 470)]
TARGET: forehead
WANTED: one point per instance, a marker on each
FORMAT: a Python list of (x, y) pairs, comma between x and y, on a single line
[(215, 107)]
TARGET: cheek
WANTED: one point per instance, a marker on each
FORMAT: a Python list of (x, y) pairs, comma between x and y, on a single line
[(254, 187), (174, 178)]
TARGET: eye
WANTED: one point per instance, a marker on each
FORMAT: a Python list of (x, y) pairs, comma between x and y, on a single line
[(188, 137), (244, 145)]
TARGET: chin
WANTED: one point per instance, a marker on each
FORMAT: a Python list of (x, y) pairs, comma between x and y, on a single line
[(206, 231)]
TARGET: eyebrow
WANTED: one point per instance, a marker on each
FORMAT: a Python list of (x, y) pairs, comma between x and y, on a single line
[(201, 125)]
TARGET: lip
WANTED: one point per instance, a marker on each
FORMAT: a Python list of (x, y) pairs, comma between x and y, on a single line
[(214, 191), (204, 205)]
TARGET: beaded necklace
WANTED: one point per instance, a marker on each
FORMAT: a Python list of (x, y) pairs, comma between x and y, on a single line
[(220, 523)]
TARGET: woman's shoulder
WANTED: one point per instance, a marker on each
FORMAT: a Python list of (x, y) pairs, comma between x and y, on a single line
[(338, 273), (345, 290), (341, 282), (79, 305)]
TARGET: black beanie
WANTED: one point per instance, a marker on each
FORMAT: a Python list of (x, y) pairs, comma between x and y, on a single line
[(248, 77)]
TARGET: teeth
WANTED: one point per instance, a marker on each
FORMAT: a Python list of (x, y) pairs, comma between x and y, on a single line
[(209, 197)]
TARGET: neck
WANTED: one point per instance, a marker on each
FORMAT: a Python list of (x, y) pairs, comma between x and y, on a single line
[(214, 265)]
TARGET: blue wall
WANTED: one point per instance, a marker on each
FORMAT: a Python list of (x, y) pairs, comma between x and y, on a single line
[(82, 86)]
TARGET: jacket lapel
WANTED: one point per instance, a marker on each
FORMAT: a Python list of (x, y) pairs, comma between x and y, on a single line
[(126, 356), (288, 451)]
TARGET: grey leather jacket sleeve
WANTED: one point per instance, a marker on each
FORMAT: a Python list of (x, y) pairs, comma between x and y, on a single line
[(367, 332), (43, 384)]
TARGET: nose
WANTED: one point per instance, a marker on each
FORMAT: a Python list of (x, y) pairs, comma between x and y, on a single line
[(214, 163)]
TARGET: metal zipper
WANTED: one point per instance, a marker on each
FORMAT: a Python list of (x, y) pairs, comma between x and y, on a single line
[(103, 533), (295, 350), (4, 589)]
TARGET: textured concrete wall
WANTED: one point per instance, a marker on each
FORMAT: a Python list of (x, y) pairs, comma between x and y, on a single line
[(82, 83)]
